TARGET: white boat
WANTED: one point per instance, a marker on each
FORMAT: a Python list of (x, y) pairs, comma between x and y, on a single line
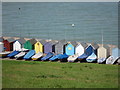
[(111, 60), (37, 56), (4, 54), (72, 58), (91, 58), (101, 60), (20, 55)]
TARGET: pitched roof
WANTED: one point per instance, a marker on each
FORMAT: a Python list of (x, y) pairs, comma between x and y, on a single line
[(11, 40), (63, 42), (42, 41), (53, 42), (83, 44), (32, 41), (95, 45), (74, 43), (21, 40)]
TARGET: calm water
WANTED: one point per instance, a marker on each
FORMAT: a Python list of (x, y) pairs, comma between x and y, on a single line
[(53, 21)]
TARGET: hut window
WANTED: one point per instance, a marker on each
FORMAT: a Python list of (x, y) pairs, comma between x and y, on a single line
[(69, 48), (37, 43)]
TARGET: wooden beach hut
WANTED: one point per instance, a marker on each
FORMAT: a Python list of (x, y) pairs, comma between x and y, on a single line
[(50, 46), (18, 44), (70, 48), (80, 48), (8, 44), (39, 46), (103, 51), (60, 47), (89, 50), (1, 47), (29, 44)]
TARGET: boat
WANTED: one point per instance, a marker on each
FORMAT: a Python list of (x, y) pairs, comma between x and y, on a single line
[(83, 56), (111, 60), (11, 55), (91, 58), (37, 56), (63, 57), (72, 58), (29, 55), (55, 57), (4, 54), (20, 55), (49, 55), (101, 60)]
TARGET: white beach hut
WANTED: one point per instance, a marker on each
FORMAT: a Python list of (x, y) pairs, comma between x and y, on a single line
[(18, 44), (80, 48)]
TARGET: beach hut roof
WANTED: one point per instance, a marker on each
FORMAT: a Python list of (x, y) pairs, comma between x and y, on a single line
[(83, 44), (32, 41), (42, 41), (11, 40), (95, 45), (1, 39), (63, 42), (53, 42), (21, 40), (74, 43)]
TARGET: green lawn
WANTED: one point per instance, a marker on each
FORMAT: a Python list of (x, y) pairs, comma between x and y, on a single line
[(36, 74)]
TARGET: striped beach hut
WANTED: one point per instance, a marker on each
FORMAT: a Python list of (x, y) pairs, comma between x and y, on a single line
[(18, 44), (8, 44), (29, 44), (70, 48), (50, 46), (1, 47), (80, 48), (60, 47), (103, 51), (39, 46)]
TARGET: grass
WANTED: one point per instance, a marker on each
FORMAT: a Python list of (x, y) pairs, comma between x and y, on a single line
[(32, 74)]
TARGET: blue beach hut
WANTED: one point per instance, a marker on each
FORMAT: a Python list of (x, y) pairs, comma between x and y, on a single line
[(116, 52), (70, 49)]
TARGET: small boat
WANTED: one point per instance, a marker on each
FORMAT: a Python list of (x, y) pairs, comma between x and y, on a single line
[(72, 58), (37, 56), (101, 60), (49, 55), (83, 56), (55, 57), (11, 55), (111, 60), (63, 57), (4, 54), (29, 54), (91, 58), (20, 55)]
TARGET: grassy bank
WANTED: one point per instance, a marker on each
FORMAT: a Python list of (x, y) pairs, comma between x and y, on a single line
[(31, 74)]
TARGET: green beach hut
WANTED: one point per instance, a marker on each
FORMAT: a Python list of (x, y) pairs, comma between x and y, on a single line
[(29, 44)]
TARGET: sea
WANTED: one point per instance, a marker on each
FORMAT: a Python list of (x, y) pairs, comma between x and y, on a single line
[(72, 21)]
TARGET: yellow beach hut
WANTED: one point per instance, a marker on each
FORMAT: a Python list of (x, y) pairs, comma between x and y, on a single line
[(39, 46)]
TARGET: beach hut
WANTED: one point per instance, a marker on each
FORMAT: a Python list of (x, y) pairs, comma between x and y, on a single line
[(89, 50), (80, 48), (18, 44), (103, 51), (116, 52), (39, 46), (95, 47), (1, 47), (50, 46), (60, 47), (70, 48), (29, 44), (8, 44)]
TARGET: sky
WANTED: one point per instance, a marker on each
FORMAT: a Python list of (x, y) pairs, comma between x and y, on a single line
[(59, 0)]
